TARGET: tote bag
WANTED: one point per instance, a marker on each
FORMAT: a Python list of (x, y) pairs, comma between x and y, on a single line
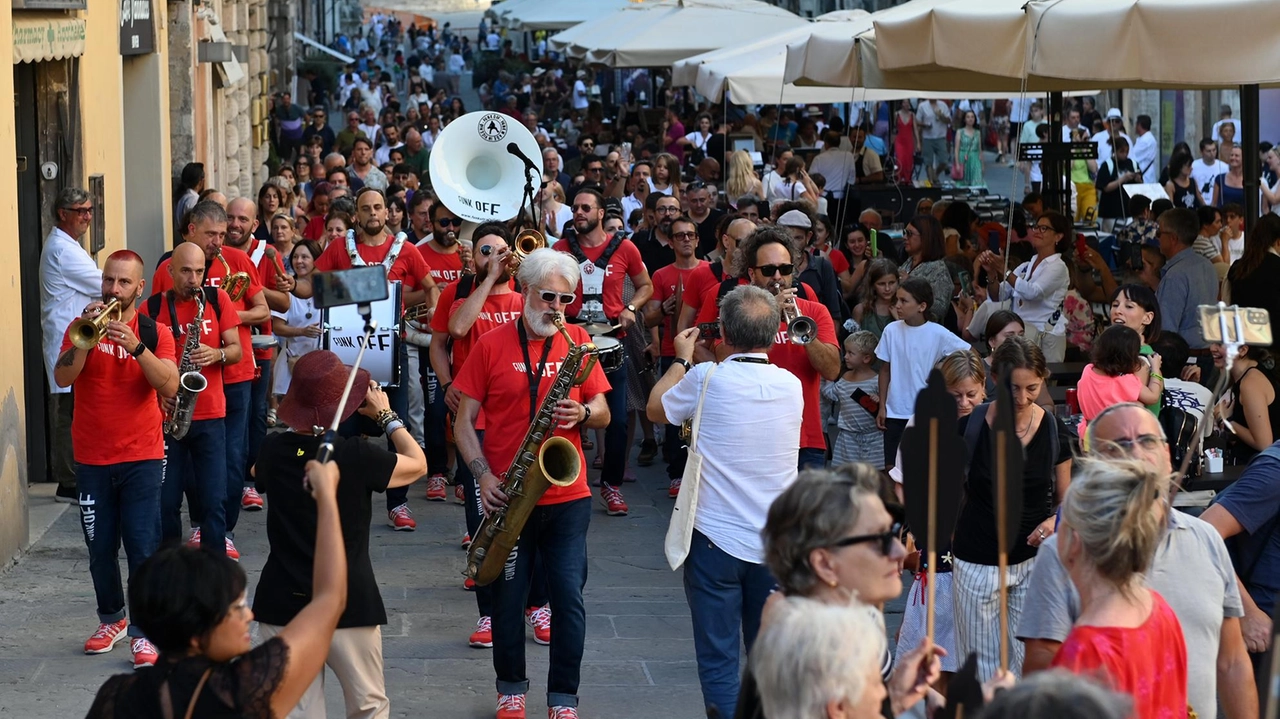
[(680, 530)]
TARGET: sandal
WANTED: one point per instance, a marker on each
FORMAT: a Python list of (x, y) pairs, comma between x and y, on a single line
[(271, 418)]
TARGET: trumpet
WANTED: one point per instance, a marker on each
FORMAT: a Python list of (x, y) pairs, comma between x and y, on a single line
[(86, 334), (419, 313), (525, 243), (801, 330), (236, 284)]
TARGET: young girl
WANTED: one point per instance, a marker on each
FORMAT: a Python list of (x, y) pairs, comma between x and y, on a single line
[(856, 394), (1136, 307), (876, 310), (1118, 373), (908, 350), (666, 175)]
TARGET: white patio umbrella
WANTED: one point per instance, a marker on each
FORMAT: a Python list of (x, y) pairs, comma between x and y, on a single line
[(558, 14), (654, 34)]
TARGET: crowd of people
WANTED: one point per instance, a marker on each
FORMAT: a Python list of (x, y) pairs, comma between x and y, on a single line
[(788, 323)]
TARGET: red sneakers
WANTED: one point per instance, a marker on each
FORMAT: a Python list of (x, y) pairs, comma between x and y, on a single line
[(232, 552), (510, 706), (614, 505), (401, 519), (144, 653), (194, 541), (469, 584), (482, 637), (459, 495), (104, 640), (540, 619), (562, 713), (466, 541), (673, 490), (250, 500), (436, 488)]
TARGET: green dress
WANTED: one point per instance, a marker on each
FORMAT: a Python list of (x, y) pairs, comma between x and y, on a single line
[(1146, 351), (971, 158)]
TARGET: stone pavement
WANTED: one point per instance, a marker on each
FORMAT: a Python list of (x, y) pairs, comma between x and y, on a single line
[(639, 659)]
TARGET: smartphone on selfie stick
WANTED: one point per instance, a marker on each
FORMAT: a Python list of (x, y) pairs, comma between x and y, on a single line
[(359, 286)]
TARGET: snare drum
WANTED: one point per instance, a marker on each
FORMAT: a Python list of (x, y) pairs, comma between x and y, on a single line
[(344, 329), (264, 342), (609, 353)]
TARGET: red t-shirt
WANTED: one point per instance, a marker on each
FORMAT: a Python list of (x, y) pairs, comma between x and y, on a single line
[(410, 269), (446, 268), (838, 261), (214, 276), (664, 286), (696, 284), (625, 262), (314, 229), (795, 359), (495, 376), (266, 276), (117, 416), (709, 306), (1149, 662), (498, 310), (212, 403)]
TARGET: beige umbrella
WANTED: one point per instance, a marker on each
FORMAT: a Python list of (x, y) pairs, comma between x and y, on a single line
[(558, 14), (654, 34)]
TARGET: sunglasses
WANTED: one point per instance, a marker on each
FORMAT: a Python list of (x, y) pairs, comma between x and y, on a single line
[(565, 298), (585, 208), (486, 250), (771, 270), (449, 222), (884, 540)]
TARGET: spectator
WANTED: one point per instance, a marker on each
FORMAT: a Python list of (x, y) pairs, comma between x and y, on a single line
[(1251, 282), (1188, 279)]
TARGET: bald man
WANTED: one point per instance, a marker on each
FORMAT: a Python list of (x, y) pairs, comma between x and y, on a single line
[(203, 449), (1191, 570), (119, 450)]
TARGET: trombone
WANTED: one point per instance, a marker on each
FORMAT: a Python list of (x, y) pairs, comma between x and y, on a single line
[(87, 333), (801, 330)]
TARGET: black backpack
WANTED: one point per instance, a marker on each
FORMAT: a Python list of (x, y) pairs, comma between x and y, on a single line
[(1181, 429), (153, 309)]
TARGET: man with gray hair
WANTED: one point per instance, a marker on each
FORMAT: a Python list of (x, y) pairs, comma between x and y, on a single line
[(508, 374), (1188, 279), (746, 413), (69, 280), (1191, 570)]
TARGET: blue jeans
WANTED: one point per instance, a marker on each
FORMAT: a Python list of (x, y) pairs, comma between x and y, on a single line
[(119, 504), (433, 426), (239, 401), (204, 452), (258, 416), (558, 533), (812, 458), (726, 596), (673, 447), (616, 451)]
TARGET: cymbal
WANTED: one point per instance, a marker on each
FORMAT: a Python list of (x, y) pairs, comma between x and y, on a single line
[(599, 328)]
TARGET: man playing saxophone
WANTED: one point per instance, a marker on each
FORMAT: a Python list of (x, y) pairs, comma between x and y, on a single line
[(117, 443), (203, 450), (508, 375)]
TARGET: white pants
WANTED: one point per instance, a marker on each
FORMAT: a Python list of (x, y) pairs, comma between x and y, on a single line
[(417, 400), (1053, 346), (975, 590), (355, 656)]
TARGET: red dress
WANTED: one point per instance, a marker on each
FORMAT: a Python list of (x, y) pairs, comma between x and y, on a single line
[(904, 147), (1149, 662)]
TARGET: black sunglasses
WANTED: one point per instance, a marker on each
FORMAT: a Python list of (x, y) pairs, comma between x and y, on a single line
[(486, 250), (548, 296), (449, 222), (885, 539), (769, 270)]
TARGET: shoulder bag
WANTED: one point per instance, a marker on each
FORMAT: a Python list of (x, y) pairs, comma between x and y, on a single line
[(680, 530)]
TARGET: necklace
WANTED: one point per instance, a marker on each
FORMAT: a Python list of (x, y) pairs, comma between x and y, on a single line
[(1023, 432)]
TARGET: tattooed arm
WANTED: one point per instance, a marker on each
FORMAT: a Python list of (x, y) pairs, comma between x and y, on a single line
[(69, 366)]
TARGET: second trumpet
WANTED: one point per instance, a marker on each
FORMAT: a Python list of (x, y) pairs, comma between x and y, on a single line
[(801, 330)]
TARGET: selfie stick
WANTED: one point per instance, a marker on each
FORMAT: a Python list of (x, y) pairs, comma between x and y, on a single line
[(326, 447)]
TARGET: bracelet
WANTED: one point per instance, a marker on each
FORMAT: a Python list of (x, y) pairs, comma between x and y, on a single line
[(1156, 376), (392, 426), (386, 417)]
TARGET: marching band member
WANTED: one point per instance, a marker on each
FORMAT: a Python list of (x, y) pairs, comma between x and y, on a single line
[(603, 261), (469, 309), (203, 450), (501, 379), (208, 230), (403, 262), (119, 450), (242, 226), (767, 259)]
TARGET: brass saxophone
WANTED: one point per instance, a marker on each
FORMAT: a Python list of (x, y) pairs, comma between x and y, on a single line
[(190, 382), (542, 461)]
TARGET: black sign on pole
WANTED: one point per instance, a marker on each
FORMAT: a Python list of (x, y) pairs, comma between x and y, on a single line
[(137, 27)]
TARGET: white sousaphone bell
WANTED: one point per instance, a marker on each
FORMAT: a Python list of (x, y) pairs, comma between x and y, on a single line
[(476, 166)]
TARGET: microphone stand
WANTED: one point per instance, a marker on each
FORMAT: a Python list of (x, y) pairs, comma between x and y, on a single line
[(326, 446)]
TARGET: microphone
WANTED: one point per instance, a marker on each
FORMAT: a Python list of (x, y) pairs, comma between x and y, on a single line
[(514, 149)]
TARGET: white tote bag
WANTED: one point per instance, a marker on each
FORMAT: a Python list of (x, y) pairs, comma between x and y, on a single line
[(680, 531)]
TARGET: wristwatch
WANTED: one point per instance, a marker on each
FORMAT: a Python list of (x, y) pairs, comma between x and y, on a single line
[(586, 414), (224, 356), (631, 308), (137, 351), (683, 363)]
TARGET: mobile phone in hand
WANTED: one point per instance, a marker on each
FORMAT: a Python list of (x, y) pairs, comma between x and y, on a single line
[(867, 401)]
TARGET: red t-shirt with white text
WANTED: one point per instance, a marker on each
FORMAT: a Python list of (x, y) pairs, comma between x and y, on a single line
[(215, 274), (446, 267), (498, 310), (495, 375), (410, 269), (212, 403), (625, 262), (664, 286), (266, 276), (117, 416)]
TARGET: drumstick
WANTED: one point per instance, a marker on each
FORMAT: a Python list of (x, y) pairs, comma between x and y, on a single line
[(1002, 541), (1007, 451), (932, 576)]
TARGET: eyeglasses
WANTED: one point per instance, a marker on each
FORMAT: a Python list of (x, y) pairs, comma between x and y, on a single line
[(687, 236), (80, 210), (1042, 228), (1122, 447), (884, 540), (911, 232), (449, 221), (667, 211), (585, 208), (771, 270), (565, 298)]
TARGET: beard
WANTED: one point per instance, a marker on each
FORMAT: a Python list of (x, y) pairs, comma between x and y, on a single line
[(665, 228), (784, 283), (236, 238), (585, 226), (541, 324), (448, 238), (373, 227)]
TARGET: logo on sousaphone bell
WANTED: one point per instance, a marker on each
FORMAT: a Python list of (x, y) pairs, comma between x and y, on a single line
[(492, 127)]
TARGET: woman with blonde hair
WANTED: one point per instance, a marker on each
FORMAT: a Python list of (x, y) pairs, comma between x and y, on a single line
[(1113, 518), (741, 178), (555, 214)]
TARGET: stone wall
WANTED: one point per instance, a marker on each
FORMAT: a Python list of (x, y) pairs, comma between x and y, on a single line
[(181, 59)]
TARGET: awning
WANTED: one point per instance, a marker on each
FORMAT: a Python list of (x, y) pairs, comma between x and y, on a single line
[(38, 37), (324, 48)]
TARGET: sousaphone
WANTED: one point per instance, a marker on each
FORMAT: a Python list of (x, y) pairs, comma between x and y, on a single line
[(477, 168)]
